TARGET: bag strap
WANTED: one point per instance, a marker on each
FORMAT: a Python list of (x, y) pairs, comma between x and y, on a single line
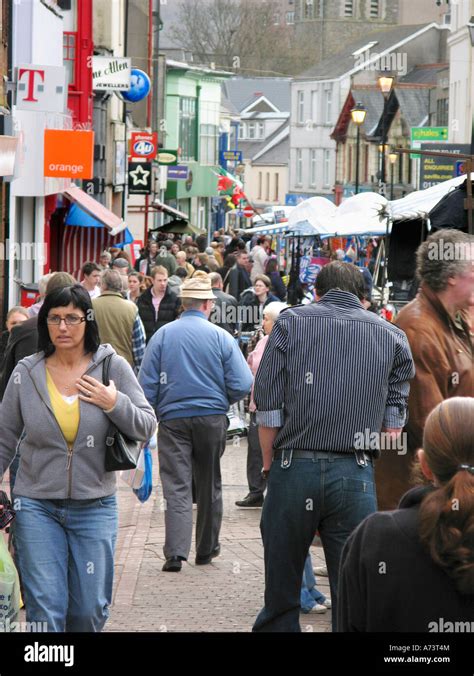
[(106, 370)]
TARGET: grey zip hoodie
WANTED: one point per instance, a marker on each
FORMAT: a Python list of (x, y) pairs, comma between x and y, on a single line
[(46, 470)]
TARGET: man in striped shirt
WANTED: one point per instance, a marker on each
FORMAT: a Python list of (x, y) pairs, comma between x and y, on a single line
[(333, 377)]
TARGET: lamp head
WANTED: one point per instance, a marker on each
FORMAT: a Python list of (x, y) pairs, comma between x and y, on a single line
[(385, 82), (358, 114)]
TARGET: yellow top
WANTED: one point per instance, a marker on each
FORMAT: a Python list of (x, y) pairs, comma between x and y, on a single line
[(66, 414)]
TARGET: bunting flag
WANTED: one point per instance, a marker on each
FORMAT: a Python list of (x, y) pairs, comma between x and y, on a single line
[(231, 188)]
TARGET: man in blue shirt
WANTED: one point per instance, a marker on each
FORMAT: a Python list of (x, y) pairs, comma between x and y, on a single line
[(192, 371)]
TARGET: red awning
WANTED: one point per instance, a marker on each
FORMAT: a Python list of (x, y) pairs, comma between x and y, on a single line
[(113, 223)]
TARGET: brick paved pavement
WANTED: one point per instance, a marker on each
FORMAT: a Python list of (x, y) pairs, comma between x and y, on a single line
[(223, 596)]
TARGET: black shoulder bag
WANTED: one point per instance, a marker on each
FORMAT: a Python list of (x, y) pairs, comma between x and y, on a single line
[(121, 453)]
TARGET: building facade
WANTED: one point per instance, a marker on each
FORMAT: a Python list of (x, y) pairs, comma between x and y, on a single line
[(461, 78), (193, 102), (319, 95)]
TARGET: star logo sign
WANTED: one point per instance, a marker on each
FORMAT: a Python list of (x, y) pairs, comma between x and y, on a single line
[(140, 176)]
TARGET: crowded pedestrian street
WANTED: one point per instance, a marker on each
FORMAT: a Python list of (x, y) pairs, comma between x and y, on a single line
[(236, 335), (222, 597)]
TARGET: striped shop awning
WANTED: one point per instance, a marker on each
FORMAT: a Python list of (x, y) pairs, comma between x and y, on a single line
[(80, 245)]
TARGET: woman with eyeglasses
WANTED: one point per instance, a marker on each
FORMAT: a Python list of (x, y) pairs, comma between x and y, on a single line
[(67, 520)]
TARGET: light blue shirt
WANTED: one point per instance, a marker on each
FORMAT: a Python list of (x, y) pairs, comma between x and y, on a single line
[(193, 368)]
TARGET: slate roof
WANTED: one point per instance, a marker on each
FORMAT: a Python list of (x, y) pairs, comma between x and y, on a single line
[(414, 105), (251, 148), (343, 61), (242, 91), (427, 75), (277, 155)]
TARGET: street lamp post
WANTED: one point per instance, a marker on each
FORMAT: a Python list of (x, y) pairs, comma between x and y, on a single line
[(393, 158), (358, 114), (385, 83)]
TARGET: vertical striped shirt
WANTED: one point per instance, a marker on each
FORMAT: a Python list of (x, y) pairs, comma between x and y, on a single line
[(331, 372)]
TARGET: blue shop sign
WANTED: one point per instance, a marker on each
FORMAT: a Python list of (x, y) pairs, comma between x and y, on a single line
[(180, 172)]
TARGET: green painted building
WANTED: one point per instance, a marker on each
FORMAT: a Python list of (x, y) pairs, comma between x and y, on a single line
[(192, 117)]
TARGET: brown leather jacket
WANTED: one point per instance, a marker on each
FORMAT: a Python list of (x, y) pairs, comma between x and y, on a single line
[(443, 352)]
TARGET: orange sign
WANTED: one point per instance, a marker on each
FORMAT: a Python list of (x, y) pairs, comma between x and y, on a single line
[(68, 154)]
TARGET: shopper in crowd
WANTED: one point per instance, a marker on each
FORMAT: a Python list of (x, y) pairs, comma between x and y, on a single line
[(259, 256), (238, 279), (201, 262), (311, 599), (137, 284), (16, 315), (148, 259), (205, 373), (23, 340), (256, 482), (105, 260), (253, 302), (310, 416), (90, 273), (118, 320), (67, 518), (158, 305), (436, 324), (272, 272), (225, 311), (183, 263), (42, 285), (425, 545), (121, 265), (218, 250)]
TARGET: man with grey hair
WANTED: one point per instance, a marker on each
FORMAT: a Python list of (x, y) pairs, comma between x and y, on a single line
[(118, 320), (191, 373), (437, 326), (42, 285)]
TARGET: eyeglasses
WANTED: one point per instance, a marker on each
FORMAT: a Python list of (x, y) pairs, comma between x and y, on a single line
[(69, 320)]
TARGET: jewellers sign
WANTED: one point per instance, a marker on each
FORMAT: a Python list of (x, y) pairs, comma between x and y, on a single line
[(110, 73)]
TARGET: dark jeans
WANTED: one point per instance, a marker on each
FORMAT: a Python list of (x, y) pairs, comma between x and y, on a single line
[(191, 448), (254, 459), (330, 493)]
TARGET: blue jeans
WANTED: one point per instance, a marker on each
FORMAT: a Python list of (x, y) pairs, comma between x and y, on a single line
[(65, 551), (330, 493), (309, 595)]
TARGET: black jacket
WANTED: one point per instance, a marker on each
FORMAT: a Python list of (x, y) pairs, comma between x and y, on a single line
[(250, 314), (23, 342), (388, 582), (237, 281), (225, 311), (168, 311)]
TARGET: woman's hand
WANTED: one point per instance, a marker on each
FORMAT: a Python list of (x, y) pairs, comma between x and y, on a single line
[(95, 392)]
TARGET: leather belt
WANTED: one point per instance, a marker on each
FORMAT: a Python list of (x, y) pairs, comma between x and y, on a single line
[(362, 457)]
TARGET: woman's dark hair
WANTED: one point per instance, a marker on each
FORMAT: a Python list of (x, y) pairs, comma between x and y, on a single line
[(70, 295), (229, 261), (271, 266), (446, 517)]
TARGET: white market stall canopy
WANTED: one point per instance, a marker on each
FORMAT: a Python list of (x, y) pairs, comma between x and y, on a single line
[(363, 214), (268, 229), (419, 204)]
